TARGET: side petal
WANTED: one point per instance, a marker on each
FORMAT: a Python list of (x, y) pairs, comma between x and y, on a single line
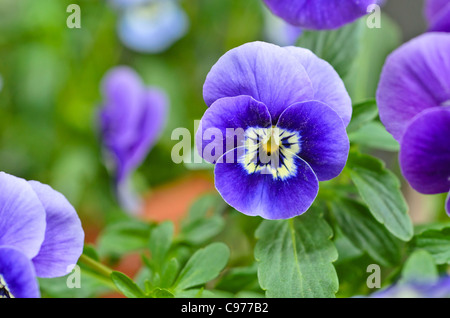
[(18, 273), (319, 14), (328, 86), (22, 216), (64, 236), (425, 151), (324, 141), (225, 117), (264, 71), (415, 77), (260, 194)]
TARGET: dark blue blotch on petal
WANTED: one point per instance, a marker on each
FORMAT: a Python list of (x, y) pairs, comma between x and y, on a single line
[(18, 273), (259, 193), (223, 125), (324, 143)]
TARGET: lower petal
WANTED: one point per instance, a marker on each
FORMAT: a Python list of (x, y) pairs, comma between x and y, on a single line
[(260, 193), (64, 236), (17, 271), (425, 151)]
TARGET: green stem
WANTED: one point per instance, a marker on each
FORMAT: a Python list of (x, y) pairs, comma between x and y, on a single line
[(101, 271)]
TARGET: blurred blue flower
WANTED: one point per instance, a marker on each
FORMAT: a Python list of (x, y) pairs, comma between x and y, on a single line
[(131, 120), (438, 289), (150, 26), (40, 235)]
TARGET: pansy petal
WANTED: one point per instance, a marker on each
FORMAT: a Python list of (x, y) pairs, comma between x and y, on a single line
[(319, 14), (22, 216), (16, 270), (328, 86), (415, 77), (438, 15), (64, 236), (259, 193), (324, 143), (223, 125), (425, 151), (151, 122), (264, 71)]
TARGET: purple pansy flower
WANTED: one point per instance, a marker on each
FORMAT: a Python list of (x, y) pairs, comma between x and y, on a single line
[(131, 121), (413, 99), (320, 14), (434, 289), (437, 13), (40, 236), (150, 26), (290, 106)]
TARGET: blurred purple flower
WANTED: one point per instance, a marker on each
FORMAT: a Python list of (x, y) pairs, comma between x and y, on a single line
[(150, 26), (131, 120), (413, 99), (439, 289), (292, 106), (437, 13), (319, 14), (40, 235)]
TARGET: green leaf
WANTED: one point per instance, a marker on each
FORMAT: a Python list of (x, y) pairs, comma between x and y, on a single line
[(374, 135), (363, 113), (160, 242), (161, 293), (169, 273), (126, 285), (338, 47), (295, 257), (203, 221), (419, 267), (124, 237), (238, 279), (435, 242), (380, 189), (366, 233), (205, 265)]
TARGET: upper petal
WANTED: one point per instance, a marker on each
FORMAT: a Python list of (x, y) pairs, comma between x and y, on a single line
[(22, 216), (324, 141), (425, 151), (223, 125), (18, 273), (415, 77), (264, 71), (259, 193), (319, 14), (328, 86), (64, 236)]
